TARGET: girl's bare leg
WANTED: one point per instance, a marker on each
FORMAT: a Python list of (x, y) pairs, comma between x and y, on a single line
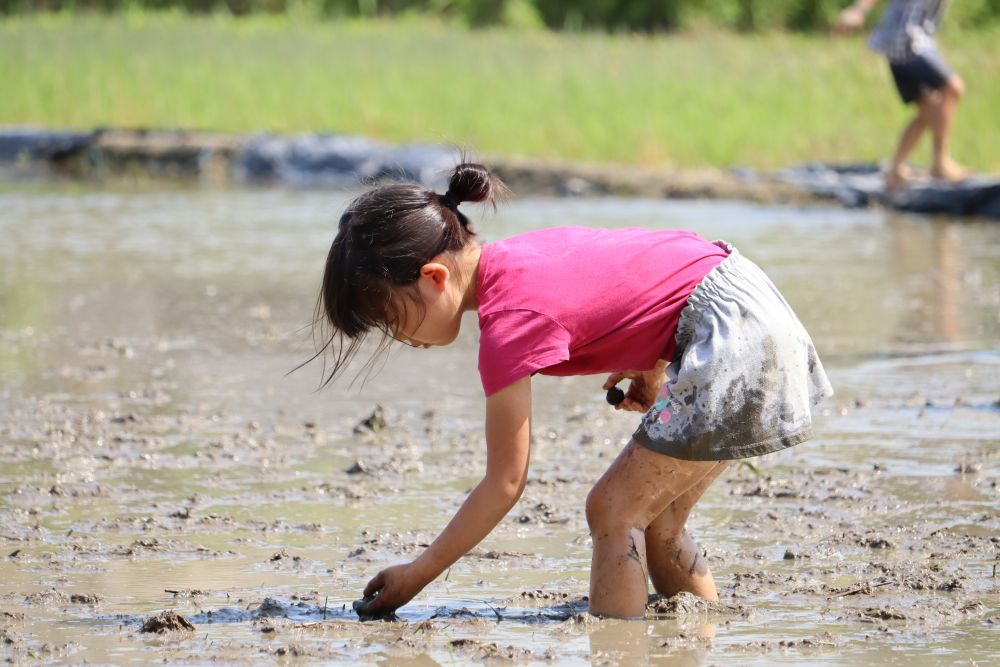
[(637, 488), (675, 562)]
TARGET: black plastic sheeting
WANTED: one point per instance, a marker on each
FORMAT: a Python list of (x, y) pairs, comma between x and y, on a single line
[(864, 185), (25, 144), (340, 161), (334, 160), (303, 161)]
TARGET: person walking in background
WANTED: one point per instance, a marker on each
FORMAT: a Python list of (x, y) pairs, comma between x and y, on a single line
[(906, 37)]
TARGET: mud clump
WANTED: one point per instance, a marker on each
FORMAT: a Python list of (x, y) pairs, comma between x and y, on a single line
[(271, 607), (165, 622), (823, 642), (265, 626), (359, 467), (686, 604), (292, 650), (283, 555), (873, 614), (373, 423), (876, 542), (139, 546), (539, 595), (46, 597), (7, 617), (492, 651), (85, 598), (930, 612), (186, 592), (542, 513)]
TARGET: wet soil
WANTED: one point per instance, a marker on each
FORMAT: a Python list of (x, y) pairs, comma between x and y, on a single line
[(167, 621), (159, 467)]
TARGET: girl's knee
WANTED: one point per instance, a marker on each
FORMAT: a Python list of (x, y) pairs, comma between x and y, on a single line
[(605, 513), (597, 508)]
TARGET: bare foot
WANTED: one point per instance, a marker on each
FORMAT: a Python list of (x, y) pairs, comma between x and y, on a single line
[(950, 171), (897, 177)]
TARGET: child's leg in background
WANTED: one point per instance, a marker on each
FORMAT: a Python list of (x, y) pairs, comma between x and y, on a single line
[(674, 559), (926, 111), (635, 490), (927, 80), (943, 166)]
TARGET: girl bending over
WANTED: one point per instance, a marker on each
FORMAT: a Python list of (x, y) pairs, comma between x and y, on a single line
[(715, 359)]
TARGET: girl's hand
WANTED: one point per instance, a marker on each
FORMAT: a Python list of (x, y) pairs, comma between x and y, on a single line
[(643, 388), (389, 590)]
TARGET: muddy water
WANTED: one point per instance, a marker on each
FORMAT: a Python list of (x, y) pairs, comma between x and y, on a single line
[(156, 457)]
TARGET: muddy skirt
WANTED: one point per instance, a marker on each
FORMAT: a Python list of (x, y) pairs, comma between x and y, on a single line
[(745, 375)]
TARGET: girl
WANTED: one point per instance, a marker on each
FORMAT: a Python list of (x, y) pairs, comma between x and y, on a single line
[(718, 362)]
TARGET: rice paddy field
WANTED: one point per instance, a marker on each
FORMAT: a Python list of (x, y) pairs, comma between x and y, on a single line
[(697, 98), (169, 493)]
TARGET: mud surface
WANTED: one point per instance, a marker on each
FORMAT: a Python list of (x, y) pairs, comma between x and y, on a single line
[(158, 463), (164, 622)]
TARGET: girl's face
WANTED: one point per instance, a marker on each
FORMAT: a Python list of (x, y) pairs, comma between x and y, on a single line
[(435, 317)]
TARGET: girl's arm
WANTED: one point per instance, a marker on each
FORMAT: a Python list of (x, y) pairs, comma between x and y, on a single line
[(508, 417)]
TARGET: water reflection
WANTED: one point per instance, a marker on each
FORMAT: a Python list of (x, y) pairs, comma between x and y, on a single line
[(640, 643), (192, 264), (422, 660), (927, 266)]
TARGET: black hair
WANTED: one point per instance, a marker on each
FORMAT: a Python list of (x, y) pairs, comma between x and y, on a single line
[(384, 238)]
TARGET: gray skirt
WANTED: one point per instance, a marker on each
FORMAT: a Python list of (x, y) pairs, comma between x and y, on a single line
[(745, 374)]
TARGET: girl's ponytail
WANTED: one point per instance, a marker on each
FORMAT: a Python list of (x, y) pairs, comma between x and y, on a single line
[(474, 183)]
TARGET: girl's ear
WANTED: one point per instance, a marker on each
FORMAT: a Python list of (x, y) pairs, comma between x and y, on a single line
[(437, 273)]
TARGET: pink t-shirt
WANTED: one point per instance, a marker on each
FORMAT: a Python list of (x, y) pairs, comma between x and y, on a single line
[(578, 300)]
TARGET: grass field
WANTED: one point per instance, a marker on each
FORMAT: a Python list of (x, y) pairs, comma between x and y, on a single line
[(695, 99)]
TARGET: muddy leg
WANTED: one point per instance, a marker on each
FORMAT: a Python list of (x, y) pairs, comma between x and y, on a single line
[(637, 487), (675, 561)]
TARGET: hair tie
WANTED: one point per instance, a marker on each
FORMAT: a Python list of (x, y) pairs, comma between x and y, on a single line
[(449, 201)]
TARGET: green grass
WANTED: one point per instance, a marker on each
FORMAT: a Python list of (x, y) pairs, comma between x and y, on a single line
[(695, 99)]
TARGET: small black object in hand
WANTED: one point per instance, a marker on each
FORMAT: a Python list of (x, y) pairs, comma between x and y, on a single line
[(615, 396)]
